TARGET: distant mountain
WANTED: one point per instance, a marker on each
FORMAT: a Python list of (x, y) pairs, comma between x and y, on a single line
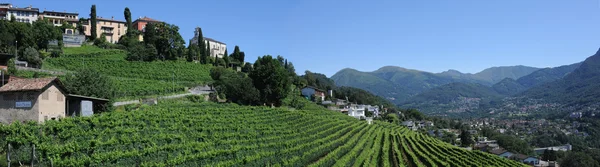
[(571, 85), (497, 74), (399, 84), (508, 86), (546, 75), (578, 88), (366, 81)]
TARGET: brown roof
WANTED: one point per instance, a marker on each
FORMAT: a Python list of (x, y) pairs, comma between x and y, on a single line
[(498, 151), (109, 20), (521, 156), (147, 19), (34, 84)]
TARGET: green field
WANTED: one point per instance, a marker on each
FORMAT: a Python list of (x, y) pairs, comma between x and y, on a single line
[(180, 133), (132, 79)]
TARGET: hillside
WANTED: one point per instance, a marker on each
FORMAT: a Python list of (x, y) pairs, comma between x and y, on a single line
[(508, 87), (496, 74), (206, 134), (400, 84), (546, 75), (132, 78), (581, 87), (371, 83)]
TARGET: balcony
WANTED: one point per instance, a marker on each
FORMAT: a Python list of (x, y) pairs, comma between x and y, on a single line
[(105, 30)]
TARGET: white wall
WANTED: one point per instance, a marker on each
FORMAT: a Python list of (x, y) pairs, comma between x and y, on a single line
[(23, 16)]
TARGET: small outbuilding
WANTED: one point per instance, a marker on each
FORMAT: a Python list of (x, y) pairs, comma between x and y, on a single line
[(38, 99), (42, 99)]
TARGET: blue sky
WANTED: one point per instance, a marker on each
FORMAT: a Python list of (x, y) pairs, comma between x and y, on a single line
[(326, 36)]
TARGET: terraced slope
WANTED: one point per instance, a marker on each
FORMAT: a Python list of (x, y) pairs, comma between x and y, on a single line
[(133, 78), (191, 134)]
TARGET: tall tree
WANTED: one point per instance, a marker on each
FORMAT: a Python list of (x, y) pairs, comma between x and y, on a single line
[(80, 24), (93, 23), (226, 59), (465, 138), (208, 51), (202, 47), (150, 35), (271, 79), (236, 54), (127, 14), (242, 58), (191, 54)]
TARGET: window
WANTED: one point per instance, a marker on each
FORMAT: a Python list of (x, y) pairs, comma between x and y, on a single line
[(45, 96), (59, 97)]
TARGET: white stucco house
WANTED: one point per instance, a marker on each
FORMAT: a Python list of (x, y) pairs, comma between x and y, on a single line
[(356, 111)]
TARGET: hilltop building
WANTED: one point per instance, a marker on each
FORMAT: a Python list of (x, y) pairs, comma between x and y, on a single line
[(60, 18), (217, 48), (140, 25), (111, 28), (23, 15)]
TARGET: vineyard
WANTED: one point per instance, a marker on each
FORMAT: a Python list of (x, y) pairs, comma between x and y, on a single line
[(207, 134), (132, 78)]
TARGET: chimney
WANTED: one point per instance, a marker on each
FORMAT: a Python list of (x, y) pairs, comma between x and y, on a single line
[(112, 17)]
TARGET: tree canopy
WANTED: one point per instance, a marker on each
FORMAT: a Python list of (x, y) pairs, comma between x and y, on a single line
[(89, 82), (271, 79)]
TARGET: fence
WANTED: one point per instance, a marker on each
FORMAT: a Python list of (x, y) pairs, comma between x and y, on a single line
[(25, 155)]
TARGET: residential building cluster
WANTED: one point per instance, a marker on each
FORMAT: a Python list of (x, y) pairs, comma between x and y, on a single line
[(358, 111), (113, 29)]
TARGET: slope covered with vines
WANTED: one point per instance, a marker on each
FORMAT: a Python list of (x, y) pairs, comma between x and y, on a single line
[(206, 134)]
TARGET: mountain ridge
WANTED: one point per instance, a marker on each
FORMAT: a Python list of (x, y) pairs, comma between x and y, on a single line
[(398, 84)]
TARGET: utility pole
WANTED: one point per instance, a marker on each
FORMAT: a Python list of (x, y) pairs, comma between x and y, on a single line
[(173, 81), (17, 50)]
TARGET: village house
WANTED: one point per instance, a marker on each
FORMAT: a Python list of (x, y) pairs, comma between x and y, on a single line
[(140, 25), (566, 147), (42, 99), (309, 91), (357, 111), (23, 15), (109, 27), (502, 153), (410, 125)]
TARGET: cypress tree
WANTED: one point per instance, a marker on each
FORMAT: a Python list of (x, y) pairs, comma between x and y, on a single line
[(127, 14), (93, 23), (201, 47), (207, 51), (226, 58)]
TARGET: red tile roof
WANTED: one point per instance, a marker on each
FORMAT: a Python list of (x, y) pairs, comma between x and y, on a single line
[(147, 19), (34, 84)]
